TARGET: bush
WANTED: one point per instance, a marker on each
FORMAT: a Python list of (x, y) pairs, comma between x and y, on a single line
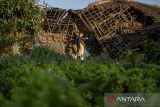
[(48, 91), (4, 102), (19, 83), (18, 23), (32, 86), (96, 79), (13, 76), (38, 56), (152, 51)]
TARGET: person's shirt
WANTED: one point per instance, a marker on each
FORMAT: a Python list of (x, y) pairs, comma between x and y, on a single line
[(77, 40)]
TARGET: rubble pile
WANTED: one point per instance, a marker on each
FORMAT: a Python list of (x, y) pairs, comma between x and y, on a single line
[(109, 27)]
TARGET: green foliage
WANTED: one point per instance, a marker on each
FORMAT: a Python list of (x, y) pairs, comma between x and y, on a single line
[(39, 55), (91, 80), (28, 80), (20, 20), (152, 51), (133, 58), (4, 102), (48, 91), (97, 79), (12, 76), (33, 86)]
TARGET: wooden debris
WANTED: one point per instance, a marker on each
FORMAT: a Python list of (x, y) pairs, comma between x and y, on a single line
[(110, 27)]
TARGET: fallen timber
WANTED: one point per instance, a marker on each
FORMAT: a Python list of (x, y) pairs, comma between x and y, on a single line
[(109, 27)]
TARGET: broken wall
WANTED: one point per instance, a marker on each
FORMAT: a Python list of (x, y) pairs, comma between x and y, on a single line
[(110, 27)]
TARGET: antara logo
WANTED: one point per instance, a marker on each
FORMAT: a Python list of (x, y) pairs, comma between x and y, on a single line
[(111, 99), (131, 99)]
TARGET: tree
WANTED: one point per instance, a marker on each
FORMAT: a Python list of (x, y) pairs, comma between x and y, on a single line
[(20, 21)]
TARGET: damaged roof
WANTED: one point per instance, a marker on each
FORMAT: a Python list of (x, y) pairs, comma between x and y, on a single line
[(105, 20)]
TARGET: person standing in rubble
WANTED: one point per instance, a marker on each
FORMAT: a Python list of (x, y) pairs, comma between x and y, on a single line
[(80, 52), (78, 48), (76, 44)]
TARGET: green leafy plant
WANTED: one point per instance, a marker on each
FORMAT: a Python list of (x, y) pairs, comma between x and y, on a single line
[(88, 80), (18, 23), (151, 51)]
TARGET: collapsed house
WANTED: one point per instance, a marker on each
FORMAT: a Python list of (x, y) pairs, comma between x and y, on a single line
[(109, 27)]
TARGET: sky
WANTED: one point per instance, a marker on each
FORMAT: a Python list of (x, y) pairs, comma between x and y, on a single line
[(79, 4)]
